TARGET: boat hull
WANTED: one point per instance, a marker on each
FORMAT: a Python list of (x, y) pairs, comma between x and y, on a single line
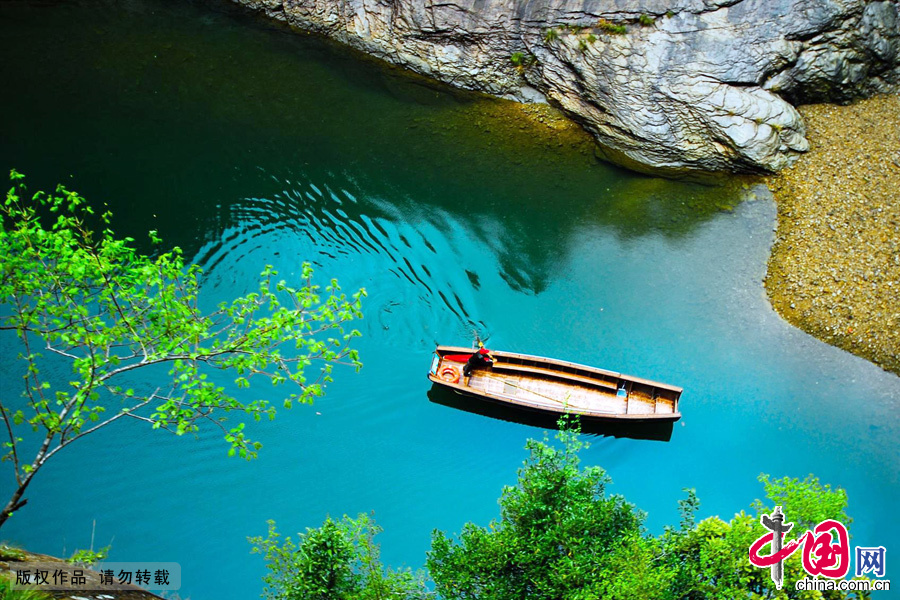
[(552, 387)]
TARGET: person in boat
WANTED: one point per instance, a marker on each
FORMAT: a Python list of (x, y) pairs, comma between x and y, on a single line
[(481, 358)]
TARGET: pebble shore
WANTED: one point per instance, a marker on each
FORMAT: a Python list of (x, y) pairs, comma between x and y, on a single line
[(835, 267)]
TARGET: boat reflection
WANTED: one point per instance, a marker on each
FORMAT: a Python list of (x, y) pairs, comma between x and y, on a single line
[(661, 432)]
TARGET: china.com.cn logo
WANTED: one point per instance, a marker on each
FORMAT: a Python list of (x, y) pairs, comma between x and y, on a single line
[(822, 553)]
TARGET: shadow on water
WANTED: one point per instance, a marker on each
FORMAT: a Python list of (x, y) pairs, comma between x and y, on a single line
[(661, 432)]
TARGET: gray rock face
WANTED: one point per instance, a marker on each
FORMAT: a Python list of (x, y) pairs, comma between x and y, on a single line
[(692, 85)]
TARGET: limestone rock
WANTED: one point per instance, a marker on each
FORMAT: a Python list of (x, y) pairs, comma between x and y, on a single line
[(692, 85)]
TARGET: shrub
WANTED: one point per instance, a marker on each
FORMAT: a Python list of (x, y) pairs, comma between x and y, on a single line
[(610, 27), (337, 561), (522, 61), (7, 593), (10, 553), (89, 557), (559, 536)]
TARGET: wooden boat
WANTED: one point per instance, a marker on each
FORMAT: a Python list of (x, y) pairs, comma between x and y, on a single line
[(552, 386)]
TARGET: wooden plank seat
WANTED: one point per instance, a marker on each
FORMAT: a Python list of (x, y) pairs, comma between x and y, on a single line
[(545, 393), (553, 373)]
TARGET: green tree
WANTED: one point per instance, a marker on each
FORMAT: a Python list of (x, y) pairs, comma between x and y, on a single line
[(559, 536), (75, 294), (337, 561), (710, 560)]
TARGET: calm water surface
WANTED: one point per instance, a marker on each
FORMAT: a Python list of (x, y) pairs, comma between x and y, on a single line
[(248, 145)]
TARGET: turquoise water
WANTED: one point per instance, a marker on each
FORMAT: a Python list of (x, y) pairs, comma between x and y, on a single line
[(246, 145)]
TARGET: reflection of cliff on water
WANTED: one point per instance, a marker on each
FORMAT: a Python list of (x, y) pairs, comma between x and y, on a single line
[(178, 106)]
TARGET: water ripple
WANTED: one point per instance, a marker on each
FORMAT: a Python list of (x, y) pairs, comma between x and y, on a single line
[(419, 266)]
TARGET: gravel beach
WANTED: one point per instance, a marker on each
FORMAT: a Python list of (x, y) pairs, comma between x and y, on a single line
[(835, 267)]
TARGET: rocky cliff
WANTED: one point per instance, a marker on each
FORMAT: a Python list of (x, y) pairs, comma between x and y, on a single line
[(664, 85)]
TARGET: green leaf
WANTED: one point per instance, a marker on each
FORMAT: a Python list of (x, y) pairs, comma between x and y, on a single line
[(121, 316)]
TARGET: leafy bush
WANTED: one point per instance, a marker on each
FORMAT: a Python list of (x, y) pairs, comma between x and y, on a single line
[(522, 61), (10, 553), (710, 560), (337, 561), (646, 20), (560, 536), (551, 35), (610, 27), (8, 593), (89, 557)]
